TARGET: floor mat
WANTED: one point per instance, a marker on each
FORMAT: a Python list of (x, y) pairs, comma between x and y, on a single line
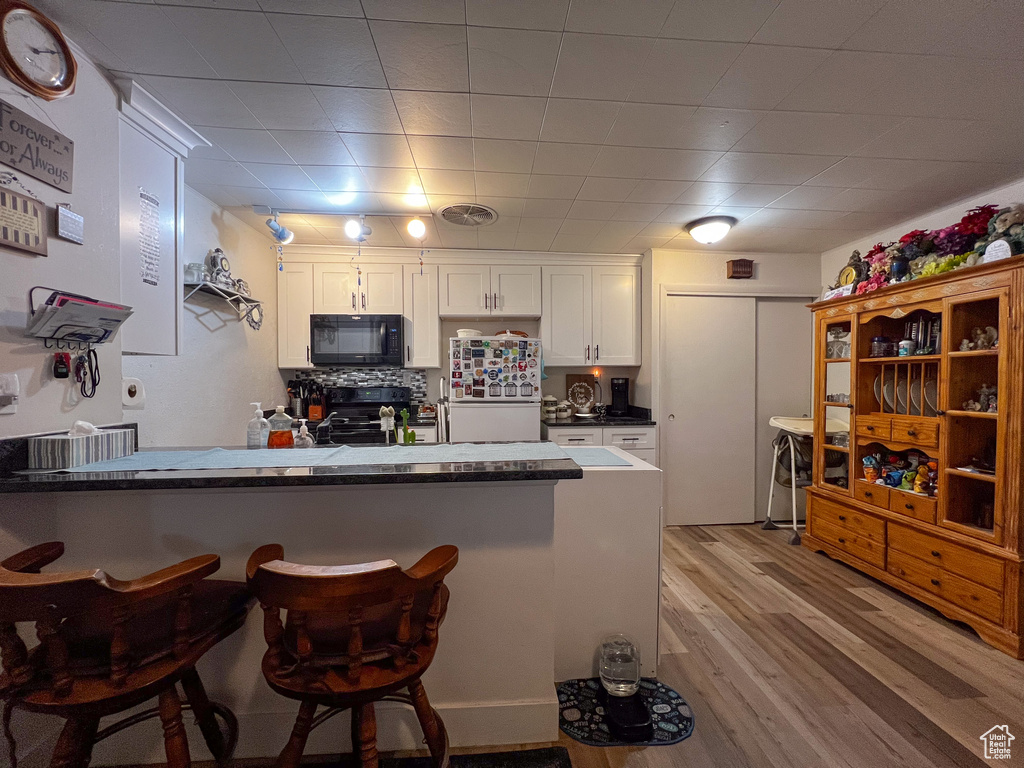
[(581, 716)]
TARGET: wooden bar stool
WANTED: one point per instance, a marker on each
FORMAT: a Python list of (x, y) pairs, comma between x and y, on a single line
[(106, 646), (354, 634)]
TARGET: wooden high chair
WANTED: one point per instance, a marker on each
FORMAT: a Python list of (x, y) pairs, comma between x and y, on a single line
[(354, 634), (106, 646)]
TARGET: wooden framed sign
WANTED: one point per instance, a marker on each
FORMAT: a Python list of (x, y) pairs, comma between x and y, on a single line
[(22, 222), (34, 148)]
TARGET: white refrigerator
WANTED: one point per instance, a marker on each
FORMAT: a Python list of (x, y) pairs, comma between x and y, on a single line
[(495, 389)]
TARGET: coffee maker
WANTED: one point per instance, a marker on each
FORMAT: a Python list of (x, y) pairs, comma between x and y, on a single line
[(620, 398)]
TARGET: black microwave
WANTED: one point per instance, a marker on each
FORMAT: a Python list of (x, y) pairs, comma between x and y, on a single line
[(355, 340)]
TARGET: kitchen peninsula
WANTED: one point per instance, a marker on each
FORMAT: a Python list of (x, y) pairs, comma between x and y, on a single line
[(532, 534)]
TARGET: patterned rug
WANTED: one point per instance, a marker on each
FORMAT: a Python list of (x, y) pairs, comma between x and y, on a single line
[(580, 715)]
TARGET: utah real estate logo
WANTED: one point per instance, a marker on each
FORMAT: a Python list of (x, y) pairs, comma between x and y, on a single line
[(997, 742)]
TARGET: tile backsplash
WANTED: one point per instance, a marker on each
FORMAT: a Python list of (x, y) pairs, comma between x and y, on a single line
[(372, 377)]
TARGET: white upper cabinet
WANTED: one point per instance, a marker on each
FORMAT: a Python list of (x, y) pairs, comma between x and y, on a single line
[(591, 316), (381, 290), (479, 291), (334, 289), (294, 306), (343, 289), (566, 321), (616, 315), (422, 322)]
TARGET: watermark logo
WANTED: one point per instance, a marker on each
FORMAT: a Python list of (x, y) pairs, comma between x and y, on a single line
[(997, 742)]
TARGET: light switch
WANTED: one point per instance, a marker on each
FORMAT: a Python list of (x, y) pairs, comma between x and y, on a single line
[(10, 388)]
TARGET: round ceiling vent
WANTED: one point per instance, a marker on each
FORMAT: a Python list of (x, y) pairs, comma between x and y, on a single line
[(469, 214)]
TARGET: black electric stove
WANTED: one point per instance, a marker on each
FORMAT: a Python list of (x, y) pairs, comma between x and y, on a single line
[(354, 413)]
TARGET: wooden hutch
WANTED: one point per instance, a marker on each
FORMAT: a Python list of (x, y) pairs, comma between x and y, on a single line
[(960, 551)]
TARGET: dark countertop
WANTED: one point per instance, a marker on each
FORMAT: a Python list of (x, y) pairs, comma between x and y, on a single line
[(607, 421)]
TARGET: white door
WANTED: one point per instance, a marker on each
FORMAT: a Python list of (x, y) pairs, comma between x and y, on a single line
[(334, 289), (422, 324), (381, 289), (565, 323), (708, 420), (616, 315), (515, 291), (464, 291), (294, 306)]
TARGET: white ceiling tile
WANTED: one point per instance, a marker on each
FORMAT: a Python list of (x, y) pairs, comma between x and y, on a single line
[(522, 14), (502, 184), (638, 211), (577, 121), (239, 45), (566, 243), (509, 210), (203, 102), (314, 147), (503, 155), (314, 7), (592, 210), (810, 198), (613, 17), (625, 162), (442, 152), (393, 180), (411, 202), (738, 212), (379, 149), (539, 225), (533, 241), (660, 229), (863, 200), (222, 196), (213, 152), (598, 66), (736, 20), (797, 219), (512, 61), (757, 195), (657, 191), (434, 114), (507, 117), (640, 244), (682, 164), (708, 193), (546, 207), (948, 139), (814, 133), (683, 71), (817, 23), (570, 159), (280, 177), (228, 173), (360, 110), (878, 173), (247, 145), (352, 59), (282, 105), (615, 234), (767, 168), (448, 182), (555, 186), (436, 11), (656, 125), (581, 227), (682, 214), (424, 57), (764, 75), (493, 236), (870, 220), (599, 188), (458, 237)]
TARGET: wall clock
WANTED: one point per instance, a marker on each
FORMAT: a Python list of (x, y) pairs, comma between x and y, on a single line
[(34, 53)]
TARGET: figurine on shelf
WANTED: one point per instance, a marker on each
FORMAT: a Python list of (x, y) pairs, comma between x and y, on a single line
[(907, 483), (871, 469), (985, 395), (981, 339), (921, 481), (972, 405), (894, 477), (993, 404), (965, 345)]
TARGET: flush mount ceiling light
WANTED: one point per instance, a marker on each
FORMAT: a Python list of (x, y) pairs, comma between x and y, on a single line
[(710, 229), (281, 233), (357, 230), (417, 228)]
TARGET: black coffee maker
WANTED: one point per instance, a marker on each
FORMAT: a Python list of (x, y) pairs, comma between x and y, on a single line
[(620, 398)]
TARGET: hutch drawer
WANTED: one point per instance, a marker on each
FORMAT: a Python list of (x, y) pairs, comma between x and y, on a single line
[(874, 426), (851, 541), (853, 520), (913, 505), (871, 493), (975, 598), (951, 557), (922, 432)]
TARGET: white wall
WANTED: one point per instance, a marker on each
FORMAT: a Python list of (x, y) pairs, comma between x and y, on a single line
[(833, 260), (90, 118), (201, 397)]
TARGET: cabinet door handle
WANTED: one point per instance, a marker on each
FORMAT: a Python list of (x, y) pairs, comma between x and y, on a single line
[(597, 352), (307, 353), (408, 353), (936, 554), (936, 582), (487, 301), (353, 301), (364, 299), (588, 353), (494, 304)]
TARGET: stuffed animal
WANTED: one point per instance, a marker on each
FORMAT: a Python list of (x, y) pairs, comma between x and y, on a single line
[(1008, 225), (921, 481)]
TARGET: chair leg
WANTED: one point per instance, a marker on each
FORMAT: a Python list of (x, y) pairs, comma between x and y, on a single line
[(431, 723), (292, 752), (195, 692), (175, 739), (364, 734), (74, 747)]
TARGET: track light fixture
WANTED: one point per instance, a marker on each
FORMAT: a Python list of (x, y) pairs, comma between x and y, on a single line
[(417, 228), (357, 230), (281, 233)]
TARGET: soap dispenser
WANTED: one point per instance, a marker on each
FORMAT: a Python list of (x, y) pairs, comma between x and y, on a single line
[(258, 430), (303, 440), (280, 430)]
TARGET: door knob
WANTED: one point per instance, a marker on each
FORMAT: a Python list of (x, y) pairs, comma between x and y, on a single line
[(671, 417)]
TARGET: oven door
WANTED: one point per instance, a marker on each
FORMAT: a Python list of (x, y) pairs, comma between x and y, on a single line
[(337, 340)]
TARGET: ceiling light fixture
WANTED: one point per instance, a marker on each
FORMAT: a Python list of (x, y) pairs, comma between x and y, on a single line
[(357, 230), (281, 233), (417, 228), (710, 229)]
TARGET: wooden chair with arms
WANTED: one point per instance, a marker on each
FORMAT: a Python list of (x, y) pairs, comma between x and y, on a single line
[(106, 646), (353, 635)]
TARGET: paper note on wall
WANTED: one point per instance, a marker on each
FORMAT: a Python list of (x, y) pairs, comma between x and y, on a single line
[(149, 237)]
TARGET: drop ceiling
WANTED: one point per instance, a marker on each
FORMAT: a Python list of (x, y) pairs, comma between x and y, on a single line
[(590, 125)]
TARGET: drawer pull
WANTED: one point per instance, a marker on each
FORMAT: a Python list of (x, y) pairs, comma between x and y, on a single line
[(909, 506), (869, 494), (576, 439), (842, 517), (936, 582), (869, 428), (842, 540), (935, 554), (912, 433)]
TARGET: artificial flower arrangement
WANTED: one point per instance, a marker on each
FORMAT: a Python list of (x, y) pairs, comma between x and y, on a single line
[(922, 253)]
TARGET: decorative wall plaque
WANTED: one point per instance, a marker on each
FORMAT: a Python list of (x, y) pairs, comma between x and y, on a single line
[(34, 148), (22, 222)]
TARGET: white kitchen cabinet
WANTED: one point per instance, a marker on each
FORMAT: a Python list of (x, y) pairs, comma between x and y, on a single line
[(481, 291), (333, 287), (342, 289), (591, 315), (294, 306), (381, 290), (641, 442), (422, 322), (575, 436), (425, 434)]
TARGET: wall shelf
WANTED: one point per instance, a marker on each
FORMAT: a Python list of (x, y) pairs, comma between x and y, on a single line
[(243, 305)]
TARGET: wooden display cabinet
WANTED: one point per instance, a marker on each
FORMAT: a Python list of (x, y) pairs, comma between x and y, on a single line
[(959, 550)]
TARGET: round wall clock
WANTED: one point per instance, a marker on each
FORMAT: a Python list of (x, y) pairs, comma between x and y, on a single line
[(34, 53)]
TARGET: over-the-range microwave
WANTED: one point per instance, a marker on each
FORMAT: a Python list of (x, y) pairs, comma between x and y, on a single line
[(355, 340)]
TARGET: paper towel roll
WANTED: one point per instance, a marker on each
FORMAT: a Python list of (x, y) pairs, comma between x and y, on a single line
[(133, 394)]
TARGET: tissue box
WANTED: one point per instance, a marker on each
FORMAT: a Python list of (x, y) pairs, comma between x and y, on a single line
[(63, 451)]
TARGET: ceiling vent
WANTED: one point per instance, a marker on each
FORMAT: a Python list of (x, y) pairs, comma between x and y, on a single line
[(469, 215)]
